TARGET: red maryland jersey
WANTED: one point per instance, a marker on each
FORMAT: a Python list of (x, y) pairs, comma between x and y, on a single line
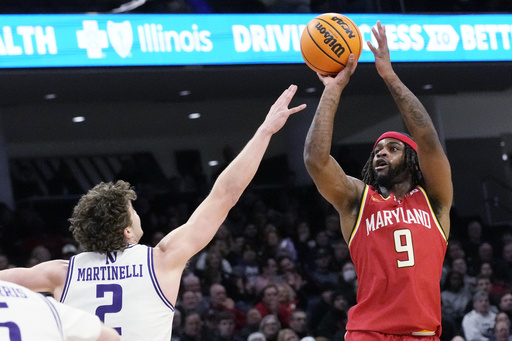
[(398, 248)]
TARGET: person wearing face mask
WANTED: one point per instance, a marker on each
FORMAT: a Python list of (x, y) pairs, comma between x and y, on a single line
[(348, 282)]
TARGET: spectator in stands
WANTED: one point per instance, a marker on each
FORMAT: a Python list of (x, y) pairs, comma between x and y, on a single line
[(219, 302), (241, 291), (458, 338), (321, 273), (287, 297), (224, 234), (191, 282), (299, 323), (498, 287), (455, 298), (268, 274), (294, 277), (288, 225), (485, 255), (501, 332), (253, 236), (193, 328), (454, 251), (506, 304), (256, 336), (270, 327), (451, 330), (68, 251), (333, 323), (189, 302), (286, 248), (322, 242), (226, 330), (348, 281), (217, 246), (478, 324), (341, 254), (285, 263), (459, 265), (319, 306), (269, 305), (271, 242), (303, 241), (4, 261), (472, 243), (483, 283), (501, 328), (253, 323), (501, 316), (249, 265), (214, 270), (235, 253), (39, 254), (287, 334), (332, 227)]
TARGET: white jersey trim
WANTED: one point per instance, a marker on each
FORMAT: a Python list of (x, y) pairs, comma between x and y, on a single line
[(55, 314), (154, 280)]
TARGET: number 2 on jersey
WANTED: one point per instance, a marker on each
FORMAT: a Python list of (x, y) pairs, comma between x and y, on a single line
[(117, 301), (403, 243)]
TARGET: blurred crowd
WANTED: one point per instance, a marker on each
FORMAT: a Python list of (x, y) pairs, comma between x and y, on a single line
[(278, 268)]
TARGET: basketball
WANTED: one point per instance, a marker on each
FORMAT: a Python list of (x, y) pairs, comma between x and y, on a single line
[(327, 42)]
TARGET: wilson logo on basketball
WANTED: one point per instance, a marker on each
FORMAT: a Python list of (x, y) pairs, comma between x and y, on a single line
[(327, 42), (330, 40)]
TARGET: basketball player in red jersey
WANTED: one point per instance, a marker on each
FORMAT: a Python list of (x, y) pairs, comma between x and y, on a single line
[(396, 219)]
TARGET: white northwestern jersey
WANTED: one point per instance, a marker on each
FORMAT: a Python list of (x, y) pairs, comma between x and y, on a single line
[(28, 316), (122, 290)]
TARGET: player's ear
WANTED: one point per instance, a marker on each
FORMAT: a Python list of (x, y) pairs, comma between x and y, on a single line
[(127, 232)]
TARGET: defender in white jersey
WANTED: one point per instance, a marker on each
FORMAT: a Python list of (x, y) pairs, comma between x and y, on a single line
[(101, 283), (28, 316), (131, 287)]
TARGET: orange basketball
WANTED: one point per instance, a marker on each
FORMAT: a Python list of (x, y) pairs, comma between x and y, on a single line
[(327, 42)]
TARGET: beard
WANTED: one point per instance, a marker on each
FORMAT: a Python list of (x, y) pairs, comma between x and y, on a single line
[(393, 176)]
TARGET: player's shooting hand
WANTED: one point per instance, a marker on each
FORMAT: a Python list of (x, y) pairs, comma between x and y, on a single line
[(343, 77)]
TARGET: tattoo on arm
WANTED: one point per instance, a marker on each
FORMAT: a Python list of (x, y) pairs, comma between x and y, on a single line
[(409, 104)]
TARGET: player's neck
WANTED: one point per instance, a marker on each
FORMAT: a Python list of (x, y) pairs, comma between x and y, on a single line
[(399, 189)]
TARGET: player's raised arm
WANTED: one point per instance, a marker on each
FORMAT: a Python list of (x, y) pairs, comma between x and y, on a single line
[(432, 160), (339, 189)]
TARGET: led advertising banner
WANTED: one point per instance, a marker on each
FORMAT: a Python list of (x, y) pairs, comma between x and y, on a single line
[(91, 40)]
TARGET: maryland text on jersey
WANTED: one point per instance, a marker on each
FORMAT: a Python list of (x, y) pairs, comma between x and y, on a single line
[(398, 215)]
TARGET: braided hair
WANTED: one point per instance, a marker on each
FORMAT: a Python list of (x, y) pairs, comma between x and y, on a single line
[(411, 164)]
